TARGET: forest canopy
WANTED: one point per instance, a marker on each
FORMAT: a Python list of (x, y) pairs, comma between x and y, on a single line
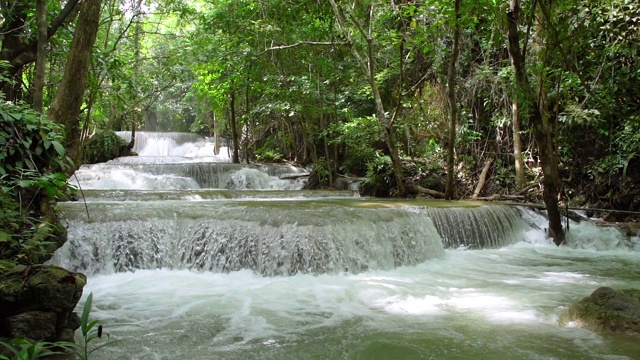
[(412, 95)]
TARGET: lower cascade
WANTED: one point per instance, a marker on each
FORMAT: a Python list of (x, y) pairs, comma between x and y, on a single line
[(277, 237), (189, 257)]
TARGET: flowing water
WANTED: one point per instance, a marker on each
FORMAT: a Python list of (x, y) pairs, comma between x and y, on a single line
[(190, 258)]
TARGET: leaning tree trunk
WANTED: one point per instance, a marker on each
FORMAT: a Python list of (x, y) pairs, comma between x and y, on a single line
[(65, 108), (19, 49), (542, 129), (368, 67)]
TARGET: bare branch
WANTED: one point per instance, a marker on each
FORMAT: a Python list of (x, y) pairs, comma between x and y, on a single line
[(316, 43)]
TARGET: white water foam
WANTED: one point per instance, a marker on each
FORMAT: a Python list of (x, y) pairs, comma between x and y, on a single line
[(253, 179), (152, 144), (476, 304), (128, 179)]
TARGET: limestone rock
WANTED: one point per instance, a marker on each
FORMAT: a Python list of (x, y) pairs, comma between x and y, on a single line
[(36, 325), (104, 146), (37, 302), (609, 310)]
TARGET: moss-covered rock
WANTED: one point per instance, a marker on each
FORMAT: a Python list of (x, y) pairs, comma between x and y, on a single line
[(105, 146), (37, 302), (609, 310)]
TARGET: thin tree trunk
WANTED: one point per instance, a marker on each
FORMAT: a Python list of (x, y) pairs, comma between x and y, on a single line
[(517, 146), (216, 133), (16, 52), (323, 125), (65, 108), (41, 55), (247, 125), (453, 105), (234, 129), (541, 128)]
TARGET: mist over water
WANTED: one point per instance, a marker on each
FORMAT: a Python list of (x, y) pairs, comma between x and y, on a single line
[(207, 260)]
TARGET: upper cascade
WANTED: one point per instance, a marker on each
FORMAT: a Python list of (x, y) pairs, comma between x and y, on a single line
[(184, 161), (176, 144)]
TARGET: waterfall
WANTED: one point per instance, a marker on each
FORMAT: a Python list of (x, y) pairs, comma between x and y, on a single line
[(178, 207), (269, 238), (190, 256), (189, 175), (163, 143), (478, 227)]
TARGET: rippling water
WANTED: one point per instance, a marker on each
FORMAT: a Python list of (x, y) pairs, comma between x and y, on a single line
[(470, 304)]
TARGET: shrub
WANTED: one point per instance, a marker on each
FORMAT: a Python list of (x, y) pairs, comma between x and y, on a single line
[(32, 162)]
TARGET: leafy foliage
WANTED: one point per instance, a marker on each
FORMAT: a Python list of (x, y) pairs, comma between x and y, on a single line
[(359, 137), (24, 350), (91, 331), (31, 153)]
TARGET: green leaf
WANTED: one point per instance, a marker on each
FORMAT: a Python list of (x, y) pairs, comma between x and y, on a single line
[(5, 236), (30, 164), (84, 319), (59, 148)]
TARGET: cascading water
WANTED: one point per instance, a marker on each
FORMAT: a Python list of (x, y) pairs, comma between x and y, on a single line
[(191, 258)]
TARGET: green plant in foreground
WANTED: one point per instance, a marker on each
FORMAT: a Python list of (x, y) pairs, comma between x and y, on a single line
[(24, 350), (91, 331)]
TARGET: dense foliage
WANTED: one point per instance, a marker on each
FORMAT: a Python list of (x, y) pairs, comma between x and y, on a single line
[(32, 158), (348, 86)]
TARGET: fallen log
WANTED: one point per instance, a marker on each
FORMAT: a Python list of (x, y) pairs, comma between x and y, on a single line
[(527, 188), (421, 190), (293, 176), (498, 197)]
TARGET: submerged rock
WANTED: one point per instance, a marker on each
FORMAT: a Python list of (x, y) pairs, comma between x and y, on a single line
[(609, 310)]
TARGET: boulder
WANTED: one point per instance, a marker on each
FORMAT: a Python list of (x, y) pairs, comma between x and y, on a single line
[(37, 303), (105, 146), (607, 309)]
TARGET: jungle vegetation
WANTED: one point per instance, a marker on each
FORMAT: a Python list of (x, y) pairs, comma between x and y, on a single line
[(452, 99)]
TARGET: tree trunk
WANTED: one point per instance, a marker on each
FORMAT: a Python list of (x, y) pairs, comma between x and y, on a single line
[(542, 130), (65, 108), (482, 179), (41, 55), (368, 67), (234, 129), (16, 52), (12, 40), (517, 146), (453, 105)]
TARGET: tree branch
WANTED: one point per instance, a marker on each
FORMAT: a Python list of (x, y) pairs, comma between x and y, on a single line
[(315, 43), (27, 54)]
